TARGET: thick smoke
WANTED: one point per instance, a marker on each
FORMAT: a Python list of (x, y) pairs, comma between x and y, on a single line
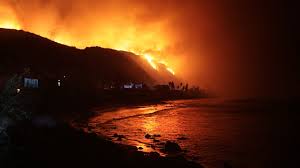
[(229, 47)]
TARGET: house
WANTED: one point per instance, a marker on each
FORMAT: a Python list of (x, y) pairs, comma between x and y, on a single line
[(30, 83), (133, 86), (129, 86)]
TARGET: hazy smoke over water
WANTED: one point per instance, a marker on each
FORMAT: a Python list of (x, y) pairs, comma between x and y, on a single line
[(225, 46)]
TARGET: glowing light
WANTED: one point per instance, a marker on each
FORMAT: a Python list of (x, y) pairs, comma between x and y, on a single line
[(9, 25), (150, 60), (167, 67), (150, 124), (149, 42), (171, 70), (8, 19)]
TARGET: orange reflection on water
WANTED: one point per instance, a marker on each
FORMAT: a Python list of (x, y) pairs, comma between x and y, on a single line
[(122, 113), (150, 124), (163, 124), (135, 122)]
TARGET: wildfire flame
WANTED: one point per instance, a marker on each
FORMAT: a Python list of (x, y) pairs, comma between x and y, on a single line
[(171, 71), (149, 58), (8, 19), (148, 42), (10, 25)]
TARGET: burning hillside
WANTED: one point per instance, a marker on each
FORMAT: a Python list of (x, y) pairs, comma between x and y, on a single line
[(93, 65), (111, 29), (229, 47)]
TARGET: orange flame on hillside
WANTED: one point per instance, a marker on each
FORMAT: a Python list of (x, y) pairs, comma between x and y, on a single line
[(149, 58), (148, 41), (9, 25), (8, 19)]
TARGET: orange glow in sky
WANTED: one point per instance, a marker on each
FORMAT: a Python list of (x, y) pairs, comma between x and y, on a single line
[(9, 25), (144, 39), (7, 19)]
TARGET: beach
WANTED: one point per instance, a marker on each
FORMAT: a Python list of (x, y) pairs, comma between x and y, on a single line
[(210, 131)]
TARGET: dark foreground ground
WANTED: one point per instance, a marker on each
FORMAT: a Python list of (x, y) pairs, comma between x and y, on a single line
[(34, 145)]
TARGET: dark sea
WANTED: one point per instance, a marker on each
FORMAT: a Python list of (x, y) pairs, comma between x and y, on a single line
[(243, 133)]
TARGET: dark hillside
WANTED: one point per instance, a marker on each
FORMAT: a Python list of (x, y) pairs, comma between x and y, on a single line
[(19, 49)]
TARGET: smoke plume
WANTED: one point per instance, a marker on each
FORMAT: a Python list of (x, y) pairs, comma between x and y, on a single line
[(229, 47)]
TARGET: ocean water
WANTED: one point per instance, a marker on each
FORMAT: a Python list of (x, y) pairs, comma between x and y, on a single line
[(210, 131)]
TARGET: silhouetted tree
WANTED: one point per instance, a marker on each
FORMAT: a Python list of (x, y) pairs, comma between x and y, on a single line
[(186, 87), (172, 85)]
